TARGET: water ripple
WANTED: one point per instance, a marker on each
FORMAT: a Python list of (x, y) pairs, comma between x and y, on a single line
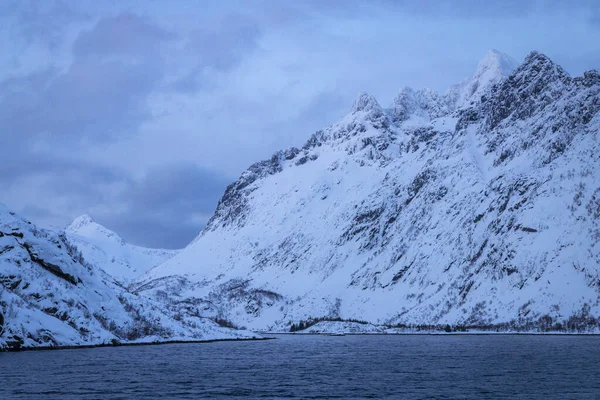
[(315, 367)]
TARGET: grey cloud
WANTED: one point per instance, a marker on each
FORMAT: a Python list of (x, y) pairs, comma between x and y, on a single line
[(316, 57), (98, 100), (226, 42), (468, 8), (464, 9), (126, 35), (44, 21), (187, 188), (18, 166), (167, 208), (484, 9), (323, 110), (18, 96), (220, 45), (101, 96), (163, 208), (191, 82), (51, 190), (36, 213), (151, 231)]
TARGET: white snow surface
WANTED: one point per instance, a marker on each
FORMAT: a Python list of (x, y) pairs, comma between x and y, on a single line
[(49, 296), (484, 214), (105, 249)]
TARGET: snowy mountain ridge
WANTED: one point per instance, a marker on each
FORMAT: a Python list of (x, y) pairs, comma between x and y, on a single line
[(450, 209), (105, 249)]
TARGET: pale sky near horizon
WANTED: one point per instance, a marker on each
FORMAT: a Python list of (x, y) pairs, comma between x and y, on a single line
[(140, 113)]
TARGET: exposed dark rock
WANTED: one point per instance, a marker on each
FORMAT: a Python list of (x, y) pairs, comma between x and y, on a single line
[(54, 269)]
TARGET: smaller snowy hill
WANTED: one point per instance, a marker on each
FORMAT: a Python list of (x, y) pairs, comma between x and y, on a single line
[(49, 296), (105, 249)]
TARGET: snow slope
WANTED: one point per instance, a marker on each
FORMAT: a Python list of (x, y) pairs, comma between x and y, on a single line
[(441, 209), (49, 296), (105, 249)]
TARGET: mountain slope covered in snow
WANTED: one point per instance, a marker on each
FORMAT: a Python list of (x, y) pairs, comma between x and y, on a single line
[(105, 249), (477, 207), (50, 296)]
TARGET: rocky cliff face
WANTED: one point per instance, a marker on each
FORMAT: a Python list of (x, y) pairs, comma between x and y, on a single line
[(478, 209), (50, 296)]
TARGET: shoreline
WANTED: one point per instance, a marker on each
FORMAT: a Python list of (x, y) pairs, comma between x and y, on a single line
[(480, 333), (93, 346)]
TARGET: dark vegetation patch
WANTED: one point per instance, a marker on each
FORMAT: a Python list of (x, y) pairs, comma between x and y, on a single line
[(225, 323)]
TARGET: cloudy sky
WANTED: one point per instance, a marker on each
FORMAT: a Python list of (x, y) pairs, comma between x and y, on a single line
[(140, 113)]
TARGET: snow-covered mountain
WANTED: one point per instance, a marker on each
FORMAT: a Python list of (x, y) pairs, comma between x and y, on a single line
[(105, 249), (491, 70), (477, 207), (49, 296)]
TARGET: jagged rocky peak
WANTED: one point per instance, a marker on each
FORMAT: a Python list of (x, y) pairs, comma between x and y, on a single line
[(590, 78), (427, 104), (404, 104), (423, 103), (366, 102), (536, 84), (539, 67)]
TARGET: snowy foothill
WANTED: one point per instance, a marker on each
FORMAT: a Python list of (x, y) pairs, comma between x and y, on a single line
[(52, 297)]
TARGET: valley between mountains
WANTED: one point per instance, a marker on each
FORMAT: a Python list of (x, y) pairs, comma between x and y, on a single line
[(475, 209)]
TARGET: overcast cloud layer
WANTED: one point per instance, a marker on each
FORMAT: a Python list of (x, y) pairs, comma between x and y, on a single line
[(142, 113)]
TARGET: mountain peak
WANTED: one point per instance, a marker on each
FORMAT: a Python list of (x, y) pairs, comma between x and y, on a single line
[(539, 66), (539, 62), (494, 67), (497, 63), (365, 102), (80, 222), (536, 56), (424, 103)]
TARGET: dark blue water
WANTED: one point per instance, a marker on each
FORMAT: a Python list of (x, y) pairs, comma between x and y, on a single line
[(315, 367)]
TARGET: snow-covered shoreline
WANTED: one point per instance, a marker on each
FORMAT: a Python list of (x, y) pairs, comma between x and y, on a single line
[(435, 333), (361, 328), (140, 343)]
